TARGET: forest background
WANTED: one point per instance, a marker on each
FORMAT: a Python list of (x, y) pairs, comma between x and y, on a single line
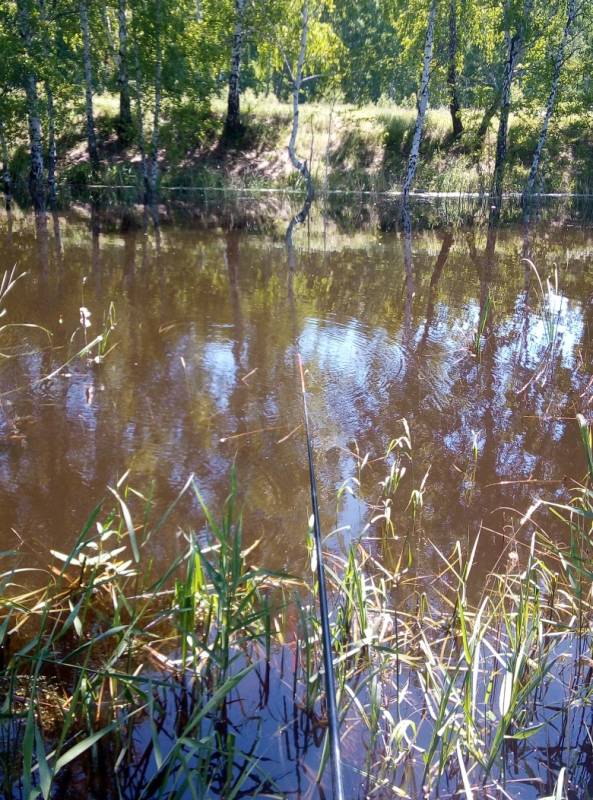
[(377, 95)]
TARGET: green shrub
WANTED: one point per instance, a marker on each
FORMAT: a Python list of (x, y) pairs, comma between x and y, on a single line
[(189, 125), (79, 174)]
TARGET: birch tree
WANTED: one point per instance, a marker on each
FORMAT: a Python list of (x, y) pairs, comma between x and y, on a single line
[(514, 46), (140, 128), (52, 150), (158, 73), (232, 125), (6, 177), (454, 105), (88, 85), (307, 51), (125, 106), (571, 13), (162, 43), (36, 173), (422, 102), (296, 77)]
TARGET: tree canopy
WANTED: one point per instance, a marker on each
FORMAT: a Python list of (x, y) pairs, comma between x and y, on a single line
[(167, 60)]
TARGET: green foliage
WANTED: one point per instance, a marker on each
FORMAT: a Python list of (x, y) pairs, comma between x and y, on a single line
[(113, 652), (188, 125), (369, 51)]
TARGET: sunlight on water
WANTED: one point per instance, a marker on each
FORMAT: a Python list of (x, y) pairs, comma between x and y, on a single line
[(203, 374)]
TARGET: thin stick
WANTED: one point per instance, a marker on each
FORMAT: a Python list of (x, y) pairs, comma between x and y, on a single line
[(330, 682), (288, 435), (250, 433)]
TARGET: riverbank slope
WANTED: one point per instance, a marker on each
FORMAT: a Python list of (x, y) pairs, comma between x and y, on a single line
[(349, 148)]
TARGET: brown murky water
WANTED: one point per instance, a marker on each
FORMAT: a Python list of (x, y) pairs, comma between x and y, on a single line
[(208, 327)]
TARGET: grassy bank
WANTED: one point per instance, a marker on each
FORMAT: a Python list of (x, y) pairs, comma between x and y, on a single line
[(200, 678), (350, 148)]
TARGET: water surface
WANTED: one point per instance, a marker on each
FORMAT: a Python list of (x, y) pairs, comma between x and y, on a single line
[(204, 375)]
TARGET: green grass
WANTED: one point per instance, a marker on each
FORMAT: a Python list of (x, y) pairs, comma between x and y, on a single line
[(351, 148)]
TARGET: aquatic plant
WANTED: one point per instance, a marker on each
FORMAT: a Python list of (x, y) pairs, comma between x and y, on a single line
[(104, 652), (470, 680), (549, 309), (9, 349), (183, 682), (485, 310)]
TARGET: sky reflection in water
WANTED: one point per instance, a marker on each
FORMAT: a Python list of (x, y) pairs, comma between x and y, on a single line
[(208, 325)]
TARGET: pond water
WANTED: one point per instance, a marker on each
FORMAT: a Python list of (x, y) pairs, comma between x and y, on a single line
[(448, 330), (477, 340)]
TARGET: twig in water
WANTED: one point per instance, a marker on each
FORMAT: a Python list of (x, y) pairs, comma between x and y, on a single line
[(244, 378), (288, 435), (250, 433)]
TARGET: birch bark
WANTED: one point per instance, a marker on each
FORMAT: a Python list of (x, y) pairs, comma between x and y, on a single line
[(140, 126), (232, 125), (454, 105), (514, 46), (297, 81), (52, 152), (571, 12), (88, 80), (6, 178), (35, 139), (297, 163), (51, 117), (108, 32), (154, 143), (125, 108), (422, 103), (36, 189)]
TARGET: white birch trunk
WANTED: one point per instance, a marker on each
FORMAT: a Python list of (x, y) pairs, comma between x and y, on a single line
[(34, 121), (154, 144), (515, 45), (571, 13), (297, 80), (140, 133), (6, 177), (108, 32), (52, 152), (142, 147), (298, 164), (232, 125), (125, 110), (35, 139), (422, 102), (88, 80)]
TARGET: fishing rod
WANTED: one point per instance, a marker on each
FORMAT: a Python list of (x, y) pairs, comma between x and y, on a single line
[(330, 681)]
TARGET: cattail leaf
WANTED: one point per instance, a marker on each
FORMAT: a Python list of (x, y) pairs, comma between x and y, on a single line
[(506, 693), (44, 771), (526, 733), (125, 511), (81, 747)]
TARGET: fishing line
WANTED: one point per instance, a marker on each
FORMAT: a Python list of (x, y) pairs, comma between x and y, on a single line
[(330, 681)]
